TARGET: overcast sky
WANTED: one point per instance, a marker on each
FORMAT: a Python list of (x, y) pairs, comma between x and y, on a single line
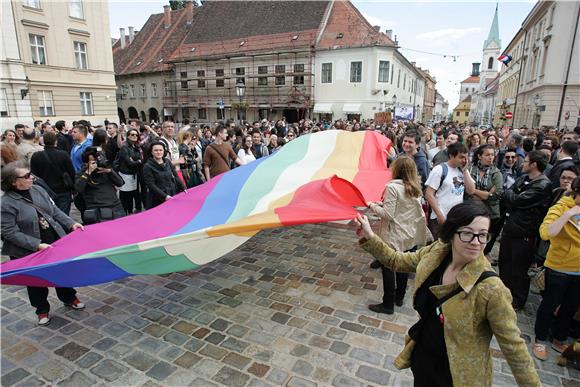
[(443, 28)]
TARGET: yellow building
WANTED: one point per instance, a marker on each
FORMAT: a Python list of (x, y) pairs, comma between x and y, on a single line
[(461, 111), (65, 49)]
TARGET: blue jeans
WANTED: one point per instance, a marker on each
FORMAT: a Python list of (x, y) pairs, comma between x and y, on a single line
[(564, 290), (63, 201)]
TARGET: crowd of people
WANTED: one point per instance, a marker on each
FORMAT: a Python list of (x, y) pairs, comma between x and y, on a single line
[(456, 189)]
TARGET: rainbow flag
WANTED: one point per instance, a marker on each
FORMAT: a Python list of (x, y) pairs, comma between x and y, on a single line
[(316, 178)]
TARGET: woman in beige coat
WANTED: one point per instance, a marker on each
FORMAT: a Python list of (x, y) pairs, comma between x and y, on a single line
[(402, 227)]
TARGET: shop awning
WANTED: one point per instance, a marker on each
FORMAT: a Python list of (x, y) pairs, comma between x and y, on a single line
[(323, 108), (351, 108)]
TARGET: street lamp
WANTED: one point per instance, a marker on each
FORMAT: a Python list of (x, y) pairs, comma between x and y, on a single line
[(418, 106), (240, 92), (394, 102)]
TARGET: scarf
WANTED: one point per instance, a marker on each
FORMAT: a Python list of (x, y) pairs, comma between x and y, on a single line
[(482, 182)]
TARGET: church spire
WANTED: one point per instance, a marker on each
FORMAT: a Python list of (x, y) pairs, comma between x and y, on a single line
[(493, 32)]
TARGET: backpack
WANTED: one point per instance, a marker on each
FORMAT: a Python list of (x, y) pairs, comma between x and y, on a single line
[(444, 172)]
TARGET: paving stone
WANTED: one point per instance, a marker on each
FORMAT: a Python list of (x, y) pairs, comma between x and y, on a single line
[(21, 326), (76, 379), (109, 370), (234, 345), (295, 381), (277, 376), (215, 338), (373, 375), (258, 383), (151, 345), (199, 382), (231, 377), (345, 381), (175, 337), (54, 342), (105, 344), (319, 342), (261, 338), (161, 371), (32, 381), (14, 376), (71, 328), (281, 318), (184, 327), (343, 314), (89, 360), (237, 361), (297, 322), (213, 352), (140, 360), (19, 351), (258, 369), (238, 330), (219, 325), (366, 356), (53, 370), (119, 350), (352, 327), (302, 367), (115, 329), (201, 333), (137, 322), (132, 336), (335, 333), (187, 360), (96, 321), (194, 345), (339, 347), (71, 351), (300, 350), (231, 302)]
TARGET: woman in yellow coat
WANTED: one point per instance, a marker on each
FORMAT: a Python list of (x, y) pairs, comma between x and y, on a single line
[(461, 304), (561, 227)]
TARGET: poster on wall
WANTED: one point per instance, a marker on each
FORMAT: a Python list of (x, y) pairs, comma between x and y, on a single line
[(404, 113)]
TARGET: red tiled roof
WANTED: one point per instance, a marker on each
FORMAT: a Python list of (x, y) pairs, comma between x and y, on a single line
[(471, 79)]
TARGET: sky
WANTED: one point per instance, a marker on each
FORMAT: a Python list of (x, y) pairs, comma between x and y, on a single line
[(451, 29)]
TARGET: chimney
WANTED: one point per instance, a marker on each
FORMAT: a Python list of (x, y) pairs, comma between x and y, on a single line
[(414, 64), (131, 34), (189, 12), (122, 38), (377, 28), (475, 70), (389, 34), (167, 15)]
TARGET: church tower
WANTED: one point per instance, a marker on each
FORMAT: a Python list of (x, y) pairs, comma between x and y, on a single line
[(491, 51)]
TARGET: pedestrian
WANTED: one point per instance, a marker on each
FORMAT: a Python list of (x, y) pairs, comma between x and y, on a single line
[(31, 222), (246, 153), (442, 156), (259, 149), (28, 145), (526, 201), (218, 154), (160, 176), (561, 227), (565, 158), (402, 227), (461, 304), (130, 168), (411, 147)]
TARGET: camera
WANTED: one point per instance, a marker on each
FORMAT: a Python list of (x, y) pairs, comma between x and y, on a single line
[(101, 160)]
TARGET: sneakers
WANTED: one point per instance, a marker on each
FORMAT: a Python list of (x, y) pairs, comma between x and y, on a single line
[(559, 346), (540, 351), (43, 319), (76, 304), (381, 308)]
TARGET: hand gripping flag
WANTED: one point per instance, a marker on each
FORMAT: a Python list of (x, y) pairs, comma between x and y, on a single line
[(505, 59), (316, 178)]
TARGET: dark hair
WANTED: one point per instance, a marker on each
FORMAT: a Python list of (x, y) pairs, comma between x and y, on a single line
[(100, 138), (575, 186), (19, 126), (90, 151), (49, 139), (575, 169), (37, 122), (479, 151), (218, 129), (150, 150), (255, 131), (539, 158), (82, 129), (59, 125), (457, 148), (528, 145), (569, 147), (9, 174), (113, 124), (45, 125), (412, 133), (29, 133), (461, 215)]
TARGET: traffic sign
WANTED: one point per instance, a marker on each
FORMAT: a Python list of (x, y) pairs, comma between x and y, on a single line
[(508, 115), (567, 116)]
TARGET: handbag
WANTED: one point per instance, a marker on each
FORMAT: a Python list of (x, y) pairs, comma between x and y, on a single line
[(66, 179), (538, 277)]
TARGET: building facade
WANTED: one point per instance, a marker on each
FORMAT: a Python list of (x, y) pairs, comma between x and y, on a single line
[(549, 79), (68, 65), (429, 98), (460, 114), (441, 108), (509, 81)]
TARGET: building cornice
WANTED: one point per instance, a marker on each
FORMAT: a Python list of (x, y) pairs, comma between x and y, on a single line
[(74, 31), (35, 24)]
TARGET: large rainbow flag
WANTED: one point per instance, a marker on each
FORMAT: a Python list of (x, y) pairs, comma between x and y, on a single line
[(316, 178)]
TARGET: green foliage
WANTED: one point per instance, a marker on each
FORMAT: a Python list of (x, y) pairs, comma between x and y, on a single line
[(179, 4)]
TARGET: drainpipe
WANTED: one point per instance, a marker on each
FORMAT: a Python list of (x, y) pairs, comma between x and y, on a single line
[(521, 71), (568, 70)]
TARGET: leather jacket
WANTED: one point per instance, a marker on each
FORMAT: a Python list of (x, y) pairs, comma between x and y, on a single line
[(527, 202)]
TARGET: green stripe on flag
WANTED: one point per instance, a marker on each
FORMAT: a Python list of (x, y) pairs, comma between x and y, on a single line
[(151, 261)]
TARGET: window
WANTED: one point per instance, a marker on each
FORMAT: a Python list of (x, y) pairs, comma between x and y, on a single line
[(132, 91), (3, 103), (45, 103), (280, 80), (490, 63), (220, 114), (399, 78), (183, 74), (356, 72), (184, 84), (76, 9), (201, 82), (219, 82), (185, 113), (31, 3), (404, 80), (299, 79), (154, 90), (80, 49), (457, 114), (201, 114), (384, 71), (326, 73), (241, 71), (124, 91), (166, 90), (86, 103), (143, 90), (262, 81), (262, 69), (37, 49), (466, 114)]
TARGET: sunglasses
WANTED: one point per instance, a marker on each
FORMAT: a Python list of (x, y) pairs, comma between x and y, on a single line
[(132, 135), (510, 157), (27, 176)]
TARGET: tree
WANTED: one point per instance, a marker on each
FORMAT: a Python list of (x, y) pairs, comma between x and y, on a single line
[(179, 4)]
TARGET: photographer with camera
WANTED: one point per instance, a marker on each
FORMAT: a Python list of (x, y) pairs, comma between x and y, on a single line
[(96, 181)]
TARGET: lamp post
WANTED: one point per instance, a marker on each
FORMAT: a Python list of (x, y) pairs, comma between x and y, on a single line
[(394, 102), (240, 92), (417, 107)]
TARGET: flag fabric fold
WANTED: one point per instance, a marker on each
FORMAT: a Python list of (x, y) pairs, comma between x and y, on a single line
[(316, 178)]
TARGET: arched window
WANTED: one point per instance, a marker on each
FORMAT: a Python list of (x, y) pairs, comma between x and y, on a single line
[(490, 63)]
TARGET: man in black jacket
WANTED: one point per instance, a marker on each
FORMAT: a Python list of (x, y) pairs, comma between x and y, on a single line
[(565, 158), (51, 165), (527, 202), (63, 140)]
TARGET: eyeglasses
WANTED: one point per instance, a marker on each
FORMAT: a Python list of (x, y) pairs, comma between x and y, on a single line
[(290, 135), (27, 176), (567, 178), (510, 157), (132, 135), (468, 237)]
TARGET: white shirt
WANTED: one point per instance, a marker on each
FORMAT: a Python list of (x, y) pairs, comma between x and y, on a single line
[(246, 157), (451, 191)]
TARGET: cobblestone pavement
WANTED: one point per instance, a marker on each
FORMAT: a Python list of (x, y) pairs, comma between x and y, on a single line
[(288, 308)]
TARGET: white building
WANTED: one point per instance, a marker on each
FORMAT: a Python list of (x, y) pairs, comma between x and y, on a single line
[(441, 108), (509, 80), (14, 89), (359, 82)]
